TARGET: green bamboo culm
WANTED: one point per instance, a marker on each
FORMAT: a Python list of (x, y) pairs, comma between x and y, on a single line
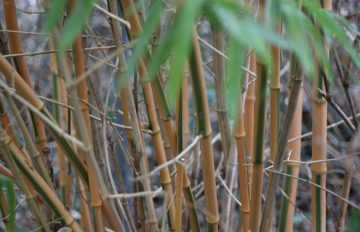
[(257, 179)]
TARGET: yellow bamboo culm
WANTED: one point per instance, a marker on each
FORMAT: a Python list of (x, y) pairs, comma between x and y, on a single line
[(274, 108), (319, 144)]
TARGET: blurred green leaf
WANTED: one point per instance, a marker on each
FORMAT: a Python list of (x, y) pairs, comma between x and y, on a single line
[(142, 41), (234, 76), (56, 10)]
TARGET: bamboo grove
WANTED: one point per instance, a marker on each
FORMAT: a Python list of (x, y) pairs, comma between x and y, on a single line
[(179, 115)]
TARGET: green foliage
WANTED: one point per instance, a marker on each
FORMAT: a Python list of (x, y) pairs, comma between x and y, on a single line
[(354, 222)]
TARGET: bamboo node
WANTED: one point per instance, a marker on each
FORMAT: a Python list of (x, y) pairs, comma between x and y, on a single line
[(239, 135)]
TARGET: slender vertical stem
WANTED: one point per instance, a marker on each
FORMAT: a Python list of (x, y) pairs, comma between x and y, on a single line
[(249, 115)]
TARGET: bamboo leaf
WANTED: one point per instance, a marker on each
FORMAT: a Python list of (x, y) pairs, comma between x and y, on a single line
[(234, 77), (141, 42), (56, 9), (9, 186)]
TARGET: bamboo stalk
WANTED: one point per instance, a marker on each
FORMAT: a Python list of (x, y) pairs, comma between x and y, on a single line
[(293, 168), (165, 179), (319, 143), (249, 115), (243, 178), (202, 108)]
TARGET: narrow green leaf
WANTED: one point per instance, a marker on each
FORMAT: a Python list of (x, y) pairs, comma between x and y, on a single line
[(76, 21)]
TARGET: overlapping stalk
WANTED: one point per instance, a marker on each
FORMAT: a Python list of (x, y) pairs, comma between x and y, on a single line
[(319, 143)]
